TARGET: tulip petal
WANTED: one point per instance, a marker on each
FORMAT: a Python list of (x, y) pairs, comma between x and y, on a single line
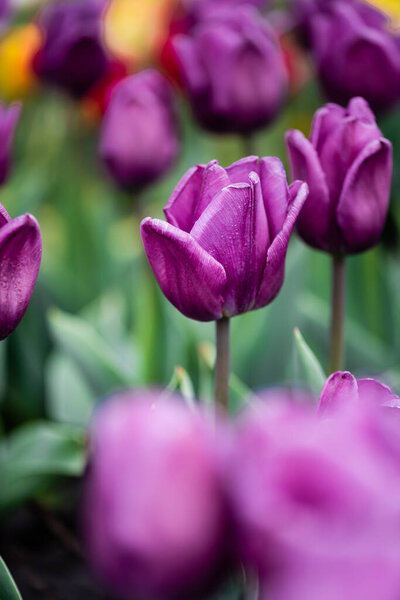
[(275, 192), (274, 271), (316, 223), (240, 170), (191, 68), (340, 391), (190, 278), (234, 230), (4, 216), (193, 194), (20, 257), (364, 202), (376, 394)]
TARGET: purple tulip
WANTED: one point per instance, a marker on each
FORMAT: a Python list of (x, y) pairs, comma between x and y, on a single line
[(139, 139), (201, 10), (72, 56), (20, 256), (234, 72), (347, 164), (155, 515), (222, 251), (9, 117), (356, 54), (314, 516)]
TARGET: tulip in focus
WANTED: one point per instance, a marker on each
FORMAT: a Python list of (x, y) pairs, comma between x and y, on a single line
[(234, 72), (347, 164), (222, 251), (139, 138), (20, 257), (72, 56), (155, 517)]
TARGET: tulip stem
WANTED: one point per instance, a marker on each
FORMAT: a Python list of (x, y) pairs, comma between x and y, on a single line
[(338, 313), (222, 364)]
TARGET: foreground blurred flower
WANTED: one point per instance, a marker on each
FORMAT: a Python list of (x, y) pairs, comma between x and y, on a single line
[(72, 56), (139, 139), (356, 54), (17, 50), (223, 249), (314, 516), (9, 117), (234, 72), (154, 513), (20, 257)]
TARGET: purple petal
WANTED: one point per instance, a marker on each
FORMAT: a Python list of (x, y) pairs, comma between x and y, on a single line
[(20, 257), (234, 230), (240, 170), (316, 223), (190, 278), (376, 394), (193, 194), (274, 272), (192, 69), (363, 206), (4, 216), (339, 391), (275, 193), (325, 120)]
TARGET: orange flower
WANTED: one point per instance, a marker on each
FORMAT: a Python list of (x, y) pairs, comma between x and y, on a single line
[(17, 49)]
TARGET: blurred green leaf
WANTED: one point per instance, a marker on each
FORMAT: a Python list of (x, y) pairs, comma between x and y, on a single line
[(307, 363), (8, 589), (181, 381), (33, 455)]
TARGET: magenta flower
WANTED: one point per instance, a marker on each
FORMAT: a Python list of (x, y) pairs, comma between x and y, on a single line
[(9, 117), (222, 251), (347, 164), (139, 139), (20, 257), (234, 72), (155, 517)]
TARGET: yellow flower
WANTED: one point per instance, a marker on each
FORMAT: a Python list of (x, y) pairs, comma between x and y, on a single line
[(17, 49), (134, 29), (390, 7)]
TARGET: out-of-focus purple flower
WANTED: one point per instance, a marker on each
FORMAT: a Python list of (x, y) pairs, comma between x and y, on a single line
[(222, 251), (314, 515), (201, 10), (139, 138), (356, 54), (20, 257), (155, 516), (72, 56), (9, 117), (347, 164), (342, 390), (234, 71)]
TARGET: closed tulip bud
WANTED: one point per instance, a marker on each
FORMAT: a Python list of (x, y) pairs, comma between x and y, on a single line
[(139, 139), (20, 256), (9, 117), (222, 251), (155, 517), (72, 56), (347, 164), (356, 54), (234, 72)]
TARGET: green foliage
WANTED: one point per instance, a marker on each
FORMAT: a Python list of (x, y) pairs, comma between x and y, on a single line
[(8, 589)]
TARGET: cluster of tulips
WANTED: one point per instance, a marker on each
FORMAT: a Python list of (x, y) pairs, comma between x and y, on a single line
[(299, 498)]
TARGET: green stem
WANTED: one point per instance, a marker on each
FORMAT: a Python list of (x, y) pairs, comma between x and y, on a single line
[(222, 364), (336, 355)]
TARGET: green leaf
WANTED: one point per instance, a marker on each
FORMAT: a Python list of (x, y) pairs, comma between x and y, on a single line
[(8, 589), (306, 361), (181, 381), (81, 342), (33, 455), (69, 397)]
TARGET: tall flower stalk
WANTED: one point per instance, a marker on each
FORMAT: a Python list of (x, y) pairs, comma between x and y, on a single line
[(222, 364), (338, 310)]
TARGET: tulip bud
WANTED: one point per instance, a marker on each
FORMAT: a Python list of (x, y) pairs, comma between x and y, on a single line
[(9, 117), (347, 164), (234, 72), (223, 250), (155, 517), (20, 257), (72, 56), (356, 54), (139, 139)]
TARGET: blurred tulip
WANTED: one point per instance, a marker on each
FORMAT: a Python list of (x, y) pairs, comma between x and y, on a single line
[(155, 517), (72, 56), (17, 50), (139, 138), (223, 249), (347, 164), (9, 117), (234, 72), (356, 55), (20, 257), (314, 516)]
